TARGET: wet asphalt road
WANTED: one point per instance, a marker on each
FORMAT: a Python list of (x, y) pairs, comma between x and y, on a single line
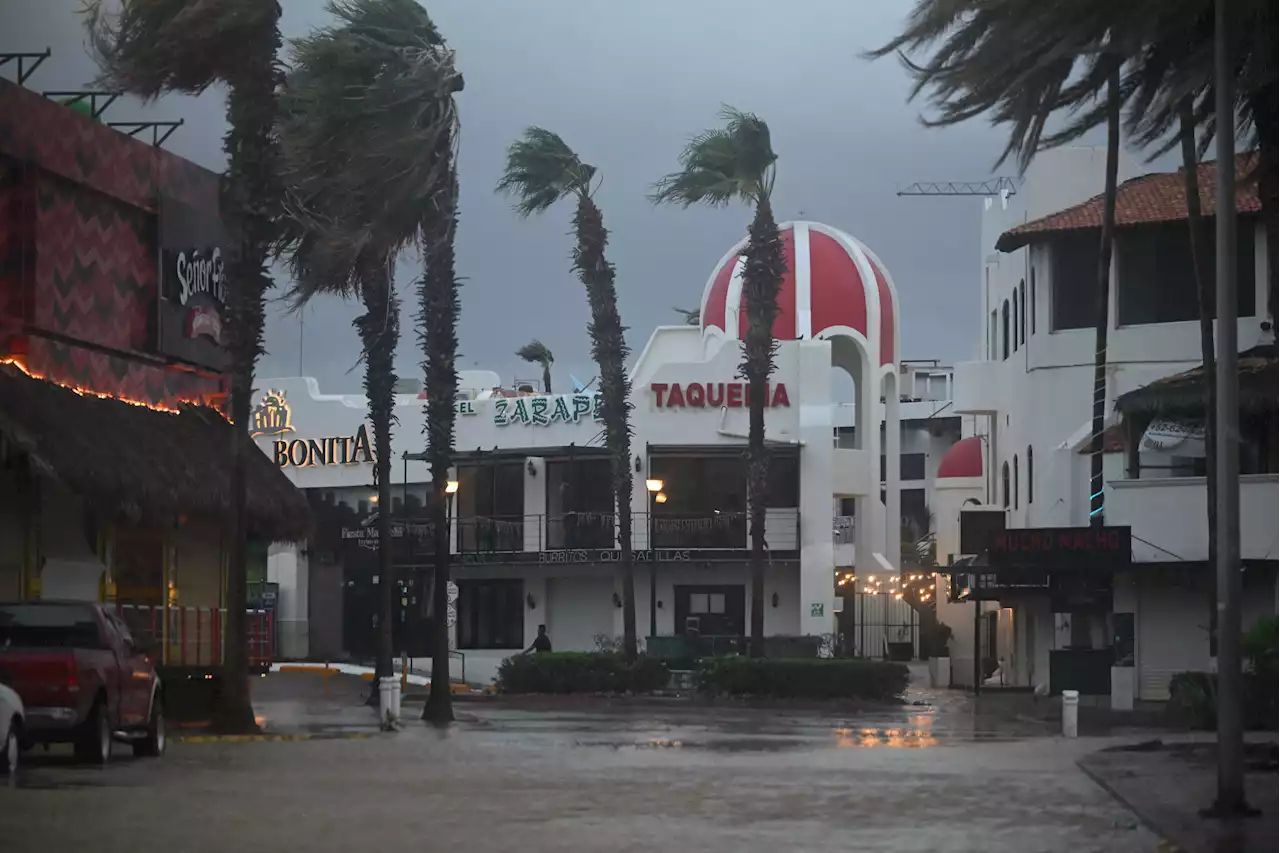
[(925, 778)]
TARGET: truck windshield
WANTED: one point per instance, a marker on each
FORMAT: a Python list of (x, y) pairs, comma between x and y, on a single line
[(62, 626)]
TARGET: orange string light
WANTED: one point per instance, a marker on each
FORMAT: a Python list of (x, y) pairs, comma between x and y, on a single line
[(20, 363)]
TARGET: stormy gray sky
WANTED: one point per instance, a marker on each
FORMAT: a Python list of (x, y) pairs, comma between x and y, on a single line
[(625, 82)]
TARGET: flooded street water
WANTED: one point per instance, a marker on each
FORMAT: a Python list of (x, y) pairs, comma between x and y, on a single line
[(658, 776)]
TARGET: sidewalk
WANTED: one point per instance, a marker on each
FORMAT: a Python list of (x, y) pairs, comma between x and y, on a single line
[(1167, 782)]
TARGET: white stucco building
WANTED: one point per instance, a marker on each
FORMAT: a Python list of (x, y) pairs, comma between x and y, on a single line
[(534, 532), (1030, 390)]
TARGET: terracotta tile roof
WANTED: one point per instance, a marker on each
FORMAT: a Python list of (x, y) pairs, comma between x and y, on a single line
[(1148, 199)]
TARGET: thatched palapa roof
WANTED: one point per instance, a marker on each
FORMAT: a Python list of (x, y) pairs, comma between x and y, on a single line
[(1185, 393), (141, 464)]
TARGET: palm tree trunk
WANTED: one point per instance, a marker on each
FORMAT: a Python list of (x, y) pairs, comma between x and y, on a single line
[(609, 349), (546, 379), (379, 329), (761, 279), (1205, 293), (438, 321), (250, 198), (1096, 487)]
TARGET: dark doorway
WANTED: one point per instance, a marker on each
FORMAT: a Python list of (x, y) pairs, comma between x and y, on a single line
[(721, 611)]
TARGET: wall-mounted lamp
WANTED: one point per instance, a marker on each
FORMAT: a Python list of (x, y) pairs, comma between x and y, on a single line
[(530, 600), (637, 464), (373, 499), (653, 485), (660, 498), (531, 468), (659, 603), (617, 600), (451, 487), (774, 600)]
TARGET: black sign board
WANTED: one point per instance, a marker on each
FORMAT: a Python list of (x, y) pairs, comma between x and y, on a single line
[(976, 526), (1060, 548), (191, 310)]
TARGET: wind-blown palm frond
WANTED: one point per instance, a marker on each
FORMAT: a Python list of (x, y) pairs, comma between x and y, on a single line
[(541, 170), (366, 105), (691, 317), (149, 47), (721, 164), (536, 352)]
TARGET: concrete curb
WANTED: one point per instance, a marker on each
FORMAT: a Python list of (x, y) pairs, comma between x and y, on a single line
[(363, 672), (1164, 844)]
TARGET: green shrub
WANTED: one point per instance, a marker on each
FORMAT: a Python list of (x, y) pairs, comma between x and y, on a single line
[(1193, 699), (847, 678), (580, 672)]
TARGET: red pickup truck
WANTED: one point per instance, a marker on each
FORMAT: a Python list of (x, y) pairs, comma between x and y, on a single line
[(82, 678)]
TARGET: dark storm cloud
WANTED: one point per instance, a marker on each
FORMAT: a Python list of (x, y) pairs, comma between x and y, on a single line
[(626, 83)]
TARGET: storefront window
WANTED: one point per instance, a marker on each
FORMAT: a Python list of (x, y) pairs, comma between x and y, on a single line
[(491, 614), (579, 504)]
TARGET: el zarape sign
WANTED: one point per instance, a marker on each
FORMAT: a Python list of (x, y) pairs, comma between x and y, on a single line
[(543, 410), (699, 395)]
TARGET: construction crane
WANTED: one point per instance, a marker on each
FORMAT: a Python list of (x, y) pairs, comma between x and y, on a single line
[(994, 186)]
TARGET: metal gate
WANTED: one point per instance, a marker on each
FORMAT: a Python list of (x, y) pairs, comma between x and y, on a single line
[(884, 627)]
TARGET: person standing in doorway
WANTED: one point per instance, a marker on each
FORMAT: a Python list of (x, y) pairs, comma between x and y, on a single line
[(541, 643)]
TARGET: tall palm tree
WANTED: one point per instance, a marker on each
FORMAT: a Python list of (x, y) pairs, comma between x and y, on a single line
[(541, 170), (439, 308), (365, 117), (737, 162), (536, 352), (148, 48)]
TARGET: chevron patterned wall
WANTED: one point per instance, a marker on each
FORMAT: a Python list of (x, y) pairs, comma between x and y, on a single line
[(78, 256)]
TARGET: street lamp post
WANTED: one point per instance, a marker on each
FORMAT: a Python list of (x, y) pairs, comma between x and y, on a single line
[(654, 488)]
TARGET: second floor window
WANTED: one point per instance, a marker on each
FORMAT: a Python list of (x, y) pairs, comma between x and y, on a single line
[(1156, 281)]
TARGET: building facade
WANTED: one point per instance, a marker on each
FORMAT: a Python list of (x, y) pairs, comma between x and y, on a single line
[(1148, 613), (534, 528), (114, 474)]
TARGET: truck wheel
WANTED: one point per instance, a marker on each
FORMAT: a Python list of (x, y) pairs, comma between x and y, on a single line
[(93, 746), (152, 746), (10, 750)]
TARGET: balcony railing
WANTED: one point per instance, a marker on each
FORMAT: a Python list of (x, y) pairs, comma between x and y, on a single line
[(673, 531)]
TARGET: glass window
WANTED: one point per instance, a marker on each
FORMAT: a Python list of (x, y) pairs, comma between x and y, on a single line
[(62, 626), (699, 602), (991, 338), (911, 466), (1004, 330), (1074, 261), (1033, 300), (1022, 318), (1157, 282), (491, 614), (1015, 320), (1031, 479), (715, 602), (1004, 483), (579, 503), (784, 481), (1015, 482)]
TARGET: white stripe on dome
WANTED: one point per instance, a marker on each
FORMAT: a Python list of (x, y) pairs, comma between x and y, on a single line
[(869, 289), (734, 252), (733, 298), (804, 281)]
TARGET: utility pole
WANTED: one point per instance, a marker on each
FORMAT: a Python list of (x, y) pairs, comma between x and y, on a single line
[(1230, 800)]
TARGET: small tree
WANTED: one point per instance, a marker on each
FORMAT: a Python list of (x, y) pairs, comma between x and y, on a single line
[(536, 352)]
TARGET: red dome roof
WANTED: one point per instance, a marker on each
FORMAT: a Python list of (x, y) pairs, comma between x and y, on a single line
[(833, 283), (963, 459)]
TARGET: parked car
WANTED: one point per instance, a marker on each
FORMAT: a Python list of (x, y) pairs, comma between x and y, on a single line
[(11, 722), (82, 678)]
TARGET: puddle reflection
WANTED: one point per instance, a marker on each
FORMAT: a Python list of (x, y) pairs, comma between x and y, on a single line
[(893, 738)]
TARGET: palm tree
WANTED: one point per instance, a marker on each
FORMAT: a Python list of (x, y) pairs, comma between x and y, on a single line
[(151, 47), (536, 352), (439, 308), (691, 317), (737, 161), (541, 170), (367, 124)]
